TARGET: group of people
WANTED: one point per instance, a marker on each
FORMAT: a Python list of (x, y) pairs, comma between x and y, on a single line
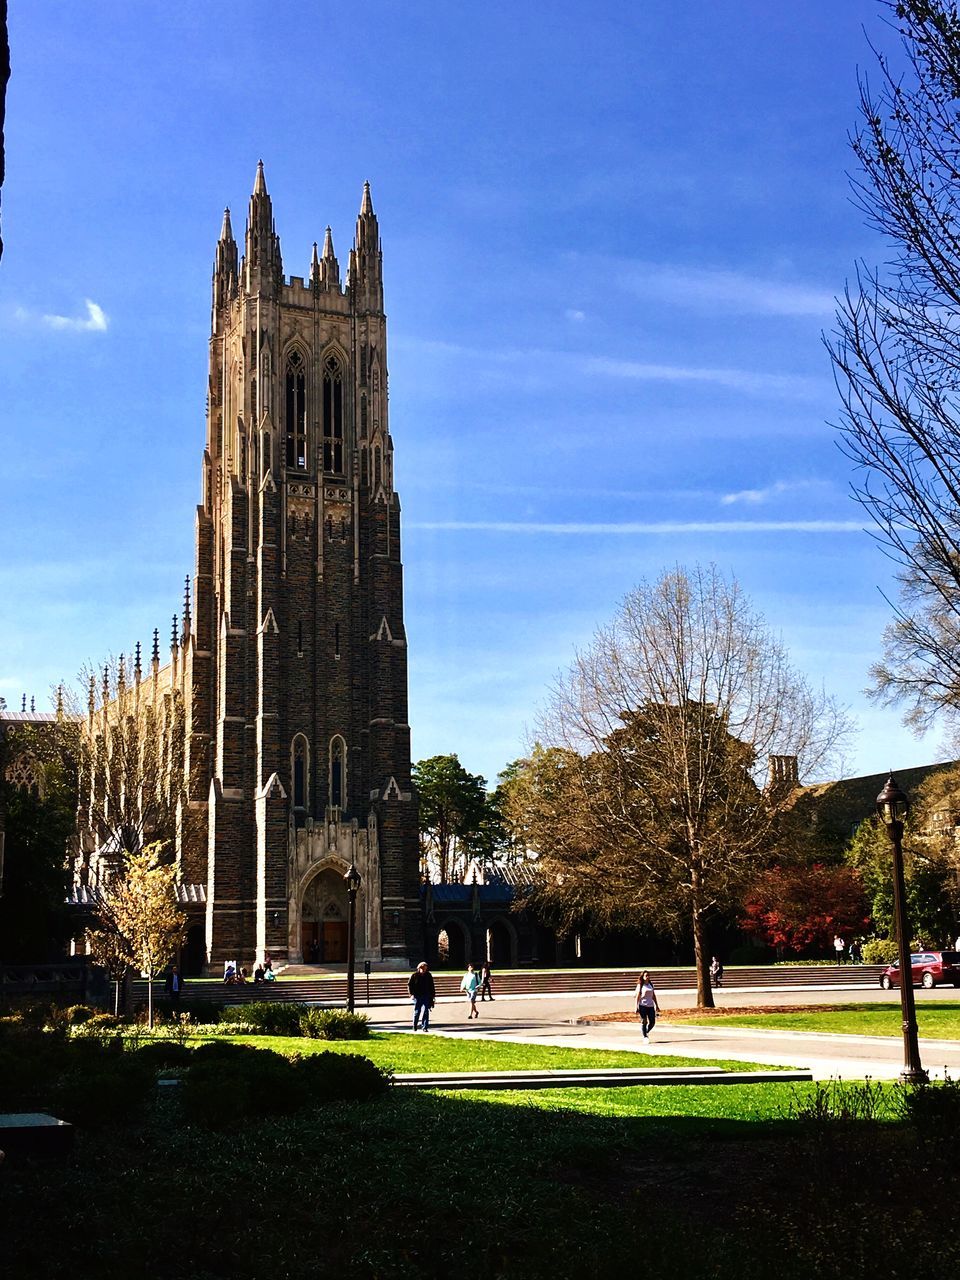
[(854, 952), (475, 985), (233, 975)]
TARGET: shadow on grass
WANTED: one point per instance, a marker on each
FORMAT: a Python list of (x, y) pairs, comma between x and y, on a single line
[(455, 1185)]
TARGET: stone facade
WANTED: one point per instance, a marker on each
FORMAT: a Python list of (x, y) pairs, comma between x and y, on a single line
[(288, 676)]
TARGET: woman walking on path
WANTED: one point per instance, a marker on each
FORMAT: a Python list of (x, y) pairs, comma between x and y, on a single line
[(485, 990), (470, 985), (647, 1004)]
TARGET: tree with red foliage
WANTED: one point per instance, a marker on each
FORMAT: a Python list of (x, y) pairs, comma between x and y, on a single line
[(801, 909)]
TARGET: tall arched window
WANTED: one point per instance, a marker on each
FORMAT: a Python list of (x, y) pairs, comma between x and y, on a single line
[(338, 772), (300, 762), (332, 415), (296, 411)]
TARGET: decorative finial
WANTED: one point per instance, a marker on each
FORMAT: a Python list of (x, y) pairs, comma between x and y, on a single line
[(174, 632), (186, 608), (33, 704), (23, 704), (327, 244), (260, 182), (121, 675), (92, 695), (226, 231), (60, 700), (136, 662), (366, 204), (106, 685), (155, 656)]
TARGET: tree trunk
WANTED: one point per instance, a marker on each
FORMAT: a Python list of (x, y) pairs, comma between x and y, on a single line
[(150, 999), (702, 958)]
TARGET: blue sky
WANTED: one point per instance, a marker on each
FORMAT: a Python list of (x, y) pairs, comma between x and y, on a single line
[(612, 237)]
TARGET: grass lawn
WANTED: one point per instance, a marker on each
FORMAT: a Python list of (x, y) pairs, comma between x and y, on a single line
[(409, 1053), (540, 1186), (937, 1020), (719, 1182)]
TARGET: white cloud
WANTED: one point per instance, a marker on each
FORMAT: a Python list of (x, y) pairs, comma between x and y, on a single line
[(639, 528), (732, 379), (756, 497), (720, 290), (95, 321), (577, 317)]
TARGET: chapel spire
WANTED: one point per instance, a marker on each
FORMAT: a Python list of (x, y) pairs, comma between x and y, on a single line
[(366, 274), (224, 268), (262, 265)]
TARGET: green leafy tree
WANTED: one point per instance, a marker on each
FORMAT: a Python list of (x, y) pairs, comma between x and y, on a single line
[(140, 921), (930, 882), (454, 819), (38, 794), (658, 808)]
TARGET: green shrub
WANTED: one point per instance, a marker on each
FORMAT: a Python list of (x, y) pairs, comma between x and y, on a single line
[(104, 1090), (164, 1054), (336, 1077), (206, 1011), (266, 1018), (99, 1023), (879, 951), (77, 1014), (226, 1084), (334, 1024), (934, 1110)]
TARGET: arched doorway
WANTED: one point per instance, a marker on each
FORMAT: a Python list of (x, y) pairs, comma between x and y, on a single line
[(323, 919), (453, 951), (501, 944), (193, 956)]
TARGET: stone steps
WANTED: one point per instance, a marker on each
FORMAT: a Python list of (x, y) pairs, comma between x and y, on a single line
[(332, 989)]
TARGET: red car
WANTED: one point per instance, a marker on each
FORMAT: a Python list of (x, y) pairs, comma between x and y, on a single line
[(928, 969)]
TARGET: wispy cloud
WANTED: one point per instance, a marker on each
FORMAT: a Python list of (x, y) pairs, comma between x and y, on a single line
[(757, 497), (745, 380), (94, 321), (633, 527), (558, 363), (707, 289)]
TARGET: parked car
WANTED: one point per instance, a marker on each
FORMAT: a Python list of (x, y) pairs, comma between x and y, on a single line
[(928, 969)]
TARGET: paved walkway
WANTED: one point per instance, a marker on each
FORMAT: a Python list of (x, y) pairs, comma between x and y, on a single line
[(553, 1021)]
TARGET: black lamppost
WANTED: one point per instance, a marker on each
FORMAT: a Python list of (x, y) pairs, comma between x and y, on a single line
[(352, 878), (892, 806)]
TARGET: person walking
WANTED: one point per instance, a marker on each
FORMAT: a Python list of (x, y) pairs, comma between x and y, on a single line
[(716, 972), (485, 992), (470, 986), (838, 946), (424, 991), (648, 1006)]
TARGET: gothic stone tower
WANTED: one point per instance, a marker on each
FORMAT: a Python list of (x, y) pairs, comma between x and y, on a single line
[(293, 663)]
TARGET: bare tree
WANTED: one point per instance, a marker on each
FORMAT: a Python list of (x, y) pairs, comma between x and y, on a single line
[(896, 352), (654, 800)]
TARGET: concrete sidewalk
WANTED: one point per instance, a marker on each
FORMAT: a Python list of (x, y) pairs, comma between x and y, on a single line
[(554, 1022)]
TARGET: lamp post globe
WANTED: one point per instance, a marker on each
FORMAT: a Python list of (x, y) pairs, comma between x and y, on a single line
[(353, 881), (892, 808)]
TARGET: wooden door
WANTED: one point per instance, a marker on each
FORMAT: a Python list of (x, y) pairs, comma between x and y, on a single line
[(334, 942)]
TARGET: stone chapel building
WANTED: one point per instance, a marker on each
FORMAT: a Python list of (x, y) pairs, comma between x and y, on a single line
[(288, 676)]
